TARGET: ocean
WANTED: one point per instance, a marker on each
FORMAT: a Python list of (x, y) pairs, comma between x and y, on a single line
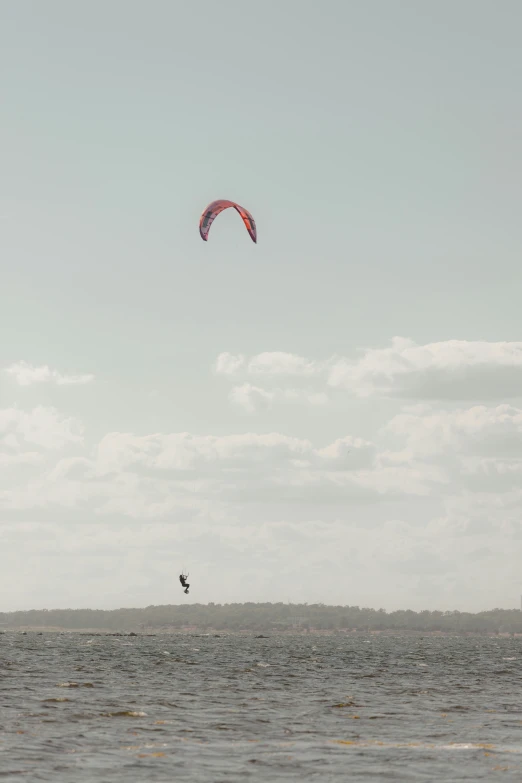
[(231, 707)]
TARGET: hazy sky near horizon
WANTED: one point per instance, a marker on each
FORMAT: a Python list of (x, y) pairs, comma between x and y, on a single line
[(332, 415)]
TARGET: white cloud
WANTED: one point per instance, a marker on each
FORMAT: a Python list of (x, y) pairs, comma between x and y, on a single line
[(422, 452), (155, 475), (477, 450), (44, 427), (269, 363), (494, 514), (451, 370), (455, 369), (23, 458), (347, 452), (493, 432), (254, 398), (281, 363), (187, 452), (228, 364), (26, 374)]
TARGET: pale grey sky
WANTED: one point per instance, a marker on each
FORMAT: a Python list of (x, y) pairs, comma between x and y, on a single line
[(333, 414)]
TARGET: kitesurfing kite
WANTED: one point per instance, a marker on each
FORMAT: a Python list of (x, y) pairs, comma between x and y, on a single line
[(213, 210)]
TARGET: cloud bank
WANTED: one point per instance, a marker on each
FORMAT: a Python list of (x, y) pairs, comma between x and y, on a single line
[(25, 374), (453, 370), (418, 510)]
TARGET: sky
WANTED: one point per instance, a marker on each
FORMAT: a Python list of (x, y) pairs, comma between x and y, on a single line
[(332, 415)]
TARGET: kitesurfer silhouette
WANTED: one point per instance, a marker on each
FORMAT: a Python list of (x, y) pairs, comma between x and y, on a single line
[(183, 580)]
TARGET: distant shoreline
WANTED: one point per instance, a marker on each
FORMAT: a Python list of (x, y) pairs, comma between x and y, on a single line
[(267, 619), (224, 632), (312, 633)]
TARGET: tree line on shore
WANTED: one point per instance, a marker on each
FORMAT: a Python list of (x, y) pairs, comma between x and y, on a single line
[(265, 617)]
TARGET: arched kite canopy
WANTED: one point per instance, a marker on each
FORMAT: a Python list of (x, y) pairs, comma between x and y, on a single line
[(213, 210)]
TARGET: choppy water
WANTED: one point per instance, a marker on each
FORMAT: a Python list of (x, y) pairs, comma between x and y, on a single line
[(235, 708)]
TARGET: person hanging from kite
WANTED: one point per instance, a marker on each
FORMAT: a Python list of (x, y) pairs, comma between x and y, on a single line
[(183, 579)]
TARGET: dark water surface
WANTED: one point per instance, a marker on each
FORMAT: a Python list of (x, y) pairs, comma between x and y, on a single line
[(234, 708)]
